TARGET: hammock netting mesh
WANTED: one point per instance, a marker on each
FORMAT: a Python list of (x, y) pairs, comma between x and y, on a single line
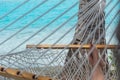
[(67, 63)]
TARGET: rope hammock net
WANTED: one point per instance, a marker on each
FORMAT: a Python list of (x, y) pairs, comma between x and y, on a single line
[(63, 61)]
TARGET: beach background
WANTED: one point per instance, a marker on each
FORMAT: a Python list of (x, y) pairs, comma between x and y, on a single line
[(8, 5)]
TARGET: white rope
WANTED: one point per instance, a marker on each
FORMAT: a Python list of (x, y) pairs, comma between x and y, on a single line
[(41, 3), (23, 3), (95, 43), (49, 60)]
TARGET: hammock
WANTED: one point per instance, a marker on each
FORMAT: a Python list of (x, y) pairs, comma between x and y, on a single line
[(63, 61)]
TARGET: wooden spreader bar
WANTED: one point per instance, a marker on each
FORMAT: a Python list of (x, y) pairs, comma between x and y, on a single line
[(72, 46), (20, 75)]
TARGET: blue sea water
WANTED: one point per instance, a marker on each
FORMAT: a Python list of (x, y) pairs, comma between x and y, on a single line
[(8, 5)]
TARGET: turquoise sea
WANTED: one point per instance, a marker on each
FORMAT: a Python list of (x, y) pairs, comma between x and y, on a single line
[(7, 5)]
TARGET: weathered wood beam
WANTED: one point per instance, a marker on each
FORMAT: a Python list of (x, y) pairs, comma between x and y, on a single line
[(71, 46)]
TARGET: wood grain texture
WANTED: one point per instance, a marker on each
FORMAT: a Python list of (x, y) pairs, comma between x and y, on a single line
[(62, 46)]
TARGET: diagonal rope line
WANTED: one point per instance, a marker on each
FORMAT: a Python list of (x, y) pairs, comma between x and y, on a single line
[(96, 42), (81, 16), (108, 27), (105, 46), (56, 41), (84, 61), (41, 3), (100, 58), (38, 58), (60, 52), (76, 51), (85, 32), (54, 60), (32, 22), (3, 16), (87, 38), (50, 23)]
